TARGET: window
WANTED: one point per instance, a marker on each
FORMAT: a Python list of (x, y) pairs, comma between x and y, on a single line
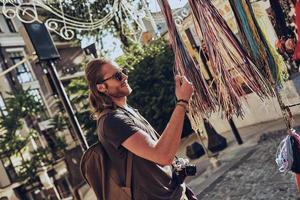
[(37, 95), (10, 25), (3, 111), (23, 73), (10, 169)]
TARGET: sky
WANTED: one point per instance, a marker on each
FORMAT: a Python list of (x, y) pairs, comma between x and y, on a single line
[(154, 7), (117, 51)]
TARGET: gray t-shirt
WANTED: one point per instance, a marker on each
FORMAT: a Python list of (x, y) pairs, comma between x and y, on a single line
[(150, 181)]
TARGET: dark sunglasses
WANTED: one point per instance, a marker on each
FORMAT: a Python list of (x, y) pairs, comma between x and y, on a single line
[(119, 75)]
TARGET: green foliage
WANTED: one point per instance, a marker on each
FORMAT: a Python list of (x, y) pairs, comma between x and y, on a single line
[(78, 93), (152, 79), (18, 106), (24, 103), (59, 122), (30, 168), (56, 144), (21, 104), (135, 54), (60, 145), (11, 144)]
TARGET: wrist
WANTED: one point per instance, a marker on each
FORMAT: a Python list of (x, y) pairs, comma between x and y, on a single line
[(182, 101), (182, 105)]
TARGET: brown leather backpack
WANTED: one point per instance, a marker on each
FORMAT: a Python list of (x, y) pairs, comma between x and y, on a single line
[(102, 177)]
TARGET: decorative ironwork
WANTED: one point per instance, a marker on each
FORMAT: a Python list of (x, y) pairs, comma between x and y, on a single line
[(64, 24)]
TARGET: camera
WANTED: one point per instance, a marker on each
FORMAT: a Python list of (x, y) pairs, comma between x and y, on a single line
[(182, 169)]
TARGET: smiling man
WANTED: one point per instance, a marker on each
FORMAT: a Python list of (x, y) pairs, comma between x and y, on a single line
[(124, 130)]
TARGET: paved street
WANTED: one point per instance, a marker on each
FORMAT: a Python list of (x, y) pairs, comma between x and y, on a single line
[(255, 176), (247, 172)]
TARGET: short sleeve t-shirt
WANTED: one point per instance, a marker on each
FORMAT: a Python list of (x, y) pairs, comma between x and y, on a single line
[(150, 181)]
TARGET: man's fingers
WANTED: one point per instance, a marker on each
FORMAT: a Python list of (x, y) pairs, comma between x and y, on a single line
[(186, 80), (177, 80)]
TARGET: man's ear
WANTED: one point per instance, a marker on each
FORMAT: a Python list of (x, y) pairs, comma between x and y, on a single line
[(101, 88)]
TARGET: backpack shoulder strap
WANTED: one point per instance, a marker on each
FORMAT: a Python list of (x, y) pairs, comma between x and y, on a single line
[(129, 169)]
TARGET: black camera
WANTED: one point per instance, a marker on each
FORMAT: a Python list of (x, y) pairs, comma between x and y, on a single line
[(182, 169)]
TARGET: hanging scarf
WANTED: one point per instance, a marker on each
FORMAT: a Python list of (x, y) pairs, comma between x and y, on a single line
[(229, 61), (203, 102), (270, 35), (280, 24), (254, 40), (297, 50)]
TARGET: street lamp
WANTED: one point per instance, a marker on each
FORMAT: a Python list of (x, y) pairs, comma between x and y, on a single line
[(47, 52)]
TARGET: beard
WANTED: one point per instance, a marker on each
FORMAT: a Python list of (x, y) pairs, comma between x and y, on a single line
[(120, 92)]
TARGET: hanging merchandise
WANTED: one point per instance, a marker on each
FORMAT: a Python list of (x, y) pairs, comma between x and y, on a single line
[(203, 102), (216, 142), (288, 155), (296, 55), (268, 31), (253, 38), (288, 8), (233, 71), (249, 26), (282, 16), (254, 41), (288, 152)]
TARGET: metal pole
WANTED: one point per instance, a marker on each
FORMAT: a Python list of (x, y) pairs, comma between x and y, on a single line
[(235, 132), (231, 122), (202, 143), (67, 105)]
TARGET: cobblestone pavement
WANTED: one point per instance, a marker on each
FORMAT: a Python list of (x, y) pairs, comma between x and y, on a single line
[(254, 177)]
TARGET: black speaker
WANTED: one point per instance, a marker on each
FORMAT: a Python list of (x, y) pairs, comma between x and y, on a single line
[(194, 151), (216, 142), (41, 41), (91, 49)]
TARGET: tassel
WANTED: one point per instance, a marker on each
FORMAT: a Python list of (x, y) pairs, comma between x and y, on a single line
[(231, 66), (203, 101), (265, 24), (254, 40)]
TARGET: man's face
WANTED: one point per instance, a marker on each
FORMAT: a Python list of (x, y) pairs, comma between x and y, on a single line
[(115, 88)]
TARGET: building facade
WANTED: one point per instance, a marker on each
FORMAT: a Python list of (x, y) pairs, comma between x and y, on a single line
[(17, 56)]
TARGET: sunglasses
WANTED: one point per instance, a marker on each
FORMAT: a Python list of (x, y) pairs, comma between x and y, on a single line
[(119, 75)]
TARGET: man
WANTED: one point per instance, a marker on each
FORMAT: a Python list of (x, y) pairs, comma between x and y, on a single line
[(125, 130)]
